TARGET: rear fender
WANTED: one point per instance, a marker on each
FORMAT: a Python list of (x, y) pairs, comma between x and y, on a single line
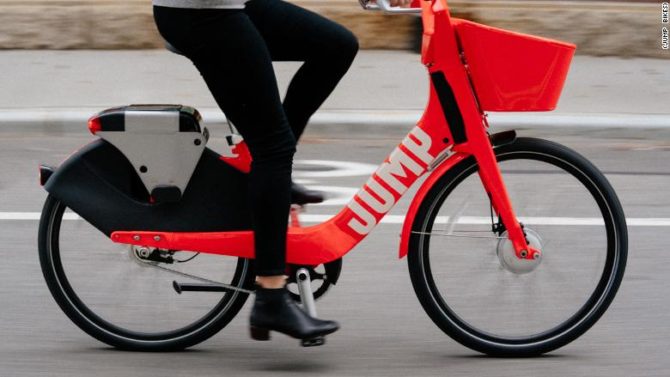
[(100, 185)]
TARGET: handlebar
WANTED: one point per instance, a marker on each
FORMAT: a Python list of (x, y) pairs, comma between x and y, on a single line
[(385, 6)]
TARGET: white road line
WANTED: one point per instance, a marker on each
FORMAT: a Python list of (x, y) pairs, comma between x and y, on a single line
[(77, 118), (476, 220), (337, 169), (399, 219), (31, 216)]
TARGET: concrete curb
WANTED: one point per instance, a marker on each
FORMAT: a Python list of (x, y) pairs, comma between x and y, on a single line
[(74, 120), (129, 24), (602, 28)]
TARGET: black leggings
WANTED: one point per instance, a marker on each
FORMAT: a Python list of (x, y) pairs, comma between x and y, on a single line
[(234, 50)]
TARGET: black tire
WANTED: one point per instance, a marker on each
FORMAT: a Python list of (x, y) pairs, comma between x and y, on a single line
[(614, 253), (117, 336)]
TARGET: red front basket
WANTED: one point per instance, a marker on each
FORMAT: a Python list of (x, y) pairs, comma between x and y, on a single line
[(512, 71)]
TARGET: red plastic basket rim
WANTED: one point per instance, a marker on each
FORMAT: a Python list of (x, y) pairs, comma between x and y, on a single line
[(465, 23)]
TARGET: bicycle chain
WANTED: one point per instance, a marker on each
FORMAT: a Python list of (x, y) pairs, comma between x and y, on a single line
[(194, 277)]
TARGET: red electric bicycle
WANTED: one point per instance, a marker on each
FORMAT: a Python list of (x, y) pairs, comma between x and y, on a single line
[(516, 246)]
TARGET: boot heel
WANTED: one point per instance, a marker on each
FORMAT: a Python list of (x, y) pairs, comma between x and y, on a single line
[(259, 334)]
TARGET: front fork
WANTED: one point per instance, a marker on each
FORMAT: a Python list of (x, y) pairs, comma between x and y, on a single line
[(479, 145), (454, 100)]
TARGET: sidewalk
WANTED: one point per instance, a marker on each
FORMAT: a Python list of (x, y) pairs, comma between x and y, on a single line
[(62, 88)]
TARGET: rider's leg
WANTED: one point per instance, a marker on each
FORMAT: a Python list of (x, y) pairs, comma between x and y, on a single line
[(327, 50), (237, 68), (234, 61), (296, 34)]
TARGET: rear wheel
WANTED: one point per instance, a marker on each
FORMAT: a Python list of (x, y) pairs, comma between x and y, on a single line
[(467, 278), (119, 296)]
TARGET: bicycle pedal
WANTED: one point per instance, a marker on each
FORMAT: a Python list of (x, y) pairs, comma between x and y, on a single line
[(313, 342)]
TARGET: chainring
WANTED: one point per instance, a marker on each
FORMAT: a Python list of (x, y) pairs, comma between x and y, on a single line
[(322, 277)]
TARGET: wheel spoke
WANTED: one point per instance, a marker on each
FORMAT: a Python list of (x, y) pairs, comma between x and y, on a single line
[(128, 302), (495, 302)]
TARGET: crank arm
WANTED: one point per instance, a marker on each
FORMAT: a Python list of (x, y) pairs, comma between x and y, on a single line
[(199, 287), (304, 287), (206, 287)]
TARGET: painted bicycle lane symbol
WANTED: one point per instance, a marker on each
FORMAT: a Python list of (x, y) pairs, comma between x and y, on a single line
[(313, 172)]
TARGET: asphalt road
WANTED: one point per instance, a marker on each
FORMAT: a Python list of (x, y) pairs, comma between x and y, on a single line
[(384, 329)]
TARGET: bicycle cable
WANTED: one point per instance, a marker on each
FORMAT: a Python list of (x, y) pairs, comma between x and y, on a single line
[(187, 259), (457, 235)]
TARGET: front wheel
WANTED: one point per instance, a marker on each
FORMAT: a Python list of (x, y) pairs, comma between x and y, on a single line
[(124, 296), (460, 265)]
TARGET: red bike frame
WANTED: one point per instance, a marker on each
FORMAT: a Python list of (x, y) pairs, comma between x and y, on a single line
[(452, 128)]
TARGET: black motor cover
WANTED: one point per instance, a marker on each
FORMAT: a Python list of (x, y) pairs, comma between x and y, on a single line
[(100, 185)]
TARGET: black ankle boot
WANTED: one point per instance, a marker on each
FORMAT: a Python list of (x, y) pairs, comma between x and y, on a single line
[(275, 310), (302, 195)]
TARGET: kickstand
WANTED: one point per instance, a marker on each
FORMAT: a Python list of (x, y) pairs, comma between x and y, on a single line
[(307, 298)]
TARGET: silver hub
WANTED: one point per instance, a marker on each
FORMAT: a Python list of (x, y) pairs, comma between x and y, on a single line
[(139, 254), (514, 264)]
